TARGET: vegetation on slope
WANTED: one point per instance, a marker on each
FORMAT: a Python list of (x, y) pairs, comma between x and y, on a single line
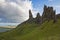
[(33, 31)]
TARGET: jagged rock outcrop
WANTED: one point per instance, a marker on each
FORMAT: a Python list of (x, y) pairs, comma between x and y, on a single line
[(54, 17), (38, 18), (30, 15), (44, 15), (31, 19), (48, 14)]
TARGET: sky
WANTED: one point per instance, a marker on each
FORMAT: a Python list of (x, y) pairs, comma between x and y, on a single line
[(39, 4), (17, 11)]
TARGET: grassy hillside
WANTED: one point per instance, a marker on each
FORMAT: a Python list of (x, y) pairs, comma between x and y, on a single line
[(33, 31)]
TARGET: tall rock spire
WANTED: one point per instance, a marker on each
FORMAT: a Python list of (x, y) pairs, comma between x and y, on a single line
[(38, 15), (31, 19), (38, 18), (30, 14), (54, 18), (45, 7), (44, 11)]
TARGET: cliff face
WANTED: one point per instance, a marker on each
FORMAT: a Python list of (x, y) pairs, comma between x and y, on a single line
[(48, 13)]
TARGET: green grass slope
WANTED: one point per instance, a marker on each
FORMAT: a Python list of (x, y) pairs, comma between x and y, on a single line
[(33, 31)]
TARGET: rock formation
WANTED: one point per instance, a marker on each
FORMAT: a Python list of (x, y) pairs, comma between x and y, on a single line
[(30, 15), (38, 18), (54, 17), (44, 15), (48, 13), (31, 19)]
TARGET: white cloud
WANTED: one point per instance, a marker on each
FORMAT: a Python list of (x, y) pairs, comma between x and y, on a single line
[(2, 0), (57, 6), (15, 10)]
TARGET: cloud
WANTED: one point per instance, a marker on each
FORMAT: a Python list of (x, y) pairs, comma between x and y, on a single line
[(14, 10), (57, 8)]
